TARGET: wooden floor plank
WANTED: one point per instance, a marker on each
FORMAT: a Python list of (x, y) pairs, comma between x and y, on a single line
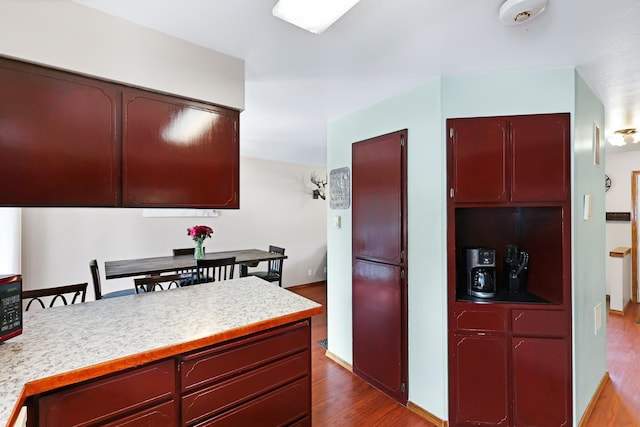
[(342, 399)]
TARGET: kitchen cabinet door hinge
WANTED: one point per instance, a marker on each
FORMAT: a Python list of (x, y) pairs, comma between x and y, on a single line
[(402, 141), (401, 255), (402, 274), (450, 132), (403, 388), (451, 193)]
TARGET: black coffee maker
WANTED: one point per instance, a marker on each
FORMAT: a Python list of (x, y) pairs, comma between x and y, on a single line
[(481, 272)]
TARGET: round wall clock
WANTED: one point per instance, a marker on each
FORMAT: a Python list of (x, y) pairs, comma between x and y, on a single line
[(607, 183)]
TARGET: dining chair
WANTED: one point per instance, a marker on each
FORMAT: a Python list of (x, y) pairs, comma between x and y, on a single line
[(97, 286), (64, 295), (274, 271), (158, 283), (214, 270)]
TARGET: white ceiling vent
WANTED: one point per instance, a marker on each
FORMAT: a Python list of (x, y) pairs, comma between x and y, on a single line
[(513, 12)]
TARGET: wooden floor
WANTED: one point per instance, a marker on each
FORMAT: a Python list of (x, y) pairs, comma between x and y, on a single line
[(339, 397), (342, 399), (619, 403)]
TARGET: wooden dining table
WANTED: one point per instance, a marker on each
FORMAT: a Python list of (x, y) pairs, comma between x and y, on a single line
[(163, 264)]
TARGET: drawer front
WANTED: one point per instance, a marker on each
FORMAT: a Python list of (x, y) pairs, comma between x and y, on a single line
[(159, 416), (478, 320), (544, 323), (213, 400), (201, 368), (288, 405), (99, 400)]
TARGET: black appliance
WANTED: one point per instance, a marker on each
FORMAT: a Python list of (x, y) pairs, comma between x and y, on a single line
[(481, 272), (516, 269), (10, 306)]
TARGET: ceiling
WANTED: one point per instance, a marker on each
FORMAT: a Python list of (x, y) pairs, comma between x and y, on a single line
[(297, 81)]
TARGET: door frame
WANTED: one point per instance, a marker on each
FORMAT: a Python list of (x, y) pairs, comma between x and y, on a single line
[(634, 235)]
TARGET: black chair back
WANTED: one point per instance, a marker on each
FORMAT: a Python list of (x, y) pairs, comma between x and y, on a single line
[(60, 294), (158, 283), (213, 270), (97, 286)]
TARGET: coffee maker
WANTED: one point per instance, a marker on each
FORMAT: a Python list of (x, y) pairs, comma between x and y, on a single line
[(481, 272)]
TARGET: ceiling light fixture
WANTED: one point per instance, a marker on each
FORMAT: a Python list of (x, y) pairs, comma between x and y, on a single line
[(312, 15), (623, 137), (513, 12)]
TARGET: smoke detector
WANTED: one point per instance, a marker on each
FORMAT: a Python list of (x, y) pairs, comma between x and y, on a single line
[(513, 12)]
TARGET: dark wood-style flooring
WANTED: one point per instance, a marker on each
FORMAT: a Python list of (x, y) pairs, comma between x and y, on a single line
[(342, 399)]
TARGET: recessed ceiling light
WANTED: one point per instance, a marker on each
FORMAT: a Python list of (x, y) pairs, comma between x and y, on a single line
[(312, 15), (513, 12)]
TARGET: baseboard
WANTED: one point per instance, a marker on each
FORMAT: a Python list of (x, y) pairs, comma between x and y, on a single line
[(619, 312), (426, 415), (307, 285), (339, 361), (587, 413)]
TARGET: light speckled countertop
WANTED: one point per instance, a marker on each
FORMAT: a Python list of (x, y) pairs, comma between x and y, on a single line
[(139, 327)]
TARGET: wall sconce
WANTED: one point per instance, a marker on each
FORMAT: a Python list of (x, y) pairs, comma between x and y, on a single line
[(623, 137), (319, 192)]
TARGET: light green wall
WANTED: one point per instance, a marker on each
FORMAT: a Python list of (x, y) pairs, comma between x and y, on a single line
[(589, 265), (418, 111), (423, 111)]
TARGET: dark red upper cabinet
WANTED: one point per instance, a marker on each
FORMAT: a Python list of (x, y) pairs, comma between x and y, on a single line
[(59, 139), (178, 153), (477, 161), (509, 159), (540, 157)]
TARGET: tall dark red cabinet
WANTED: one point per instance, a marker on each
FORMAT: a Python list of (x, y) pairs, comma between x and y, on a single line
[(379, 263), (510, 355)]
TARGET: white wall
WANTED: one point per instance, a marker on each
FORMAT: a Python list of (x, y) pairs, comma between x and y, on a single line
[(276, 207), (67, 35), (10, 240), (618, 199)]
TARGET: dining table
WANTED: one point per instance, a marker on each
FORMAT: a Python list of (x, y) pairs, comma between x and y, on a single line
[(163, 264)]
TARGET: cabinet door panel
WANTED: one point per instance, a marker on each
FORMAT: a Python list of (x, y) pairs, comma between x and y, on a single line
[(159, 416), (540, 146), (58, 138), (283, 406), (109, 397), (478, 159), (378, 198), (378, 319), (541, 382), (178, 153), (480, 386)]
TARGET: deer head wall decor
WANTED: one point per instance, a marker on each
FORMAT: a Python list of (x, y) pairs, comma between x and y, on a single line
[(318, 192)]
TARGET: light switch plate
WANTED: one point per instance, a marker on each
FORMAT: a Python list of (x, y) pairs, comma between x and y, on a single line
[(337, 221)]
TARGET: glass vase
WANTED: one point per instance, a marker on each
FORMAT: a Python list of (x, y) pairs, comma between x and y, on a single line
[(198, 253)]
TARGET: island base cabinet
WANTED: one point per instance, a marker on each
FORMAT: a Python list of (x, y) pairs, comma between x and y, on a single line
[(481, 390), (259, 379), (541, 382)]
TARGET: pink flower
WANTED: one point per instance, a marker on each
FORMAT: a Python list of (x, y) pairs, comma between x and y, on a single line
[(199, 232)]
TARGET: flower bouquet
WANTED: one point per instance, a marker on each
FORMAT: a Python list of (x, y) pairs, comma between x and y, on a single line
[(199, 233)]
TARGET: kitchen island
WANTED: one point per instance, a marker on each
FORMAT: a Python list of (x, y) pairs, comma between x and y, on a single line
[(247, 335)]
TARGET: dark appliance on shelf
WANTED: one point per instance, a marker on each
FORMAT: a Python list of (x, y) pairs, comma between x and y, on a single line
[(481, 272), (516, 269), (10, 306)]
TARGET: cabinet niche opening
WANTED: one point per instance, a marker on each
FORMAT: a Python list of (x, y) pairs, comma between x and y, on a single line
[(534, 230)]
